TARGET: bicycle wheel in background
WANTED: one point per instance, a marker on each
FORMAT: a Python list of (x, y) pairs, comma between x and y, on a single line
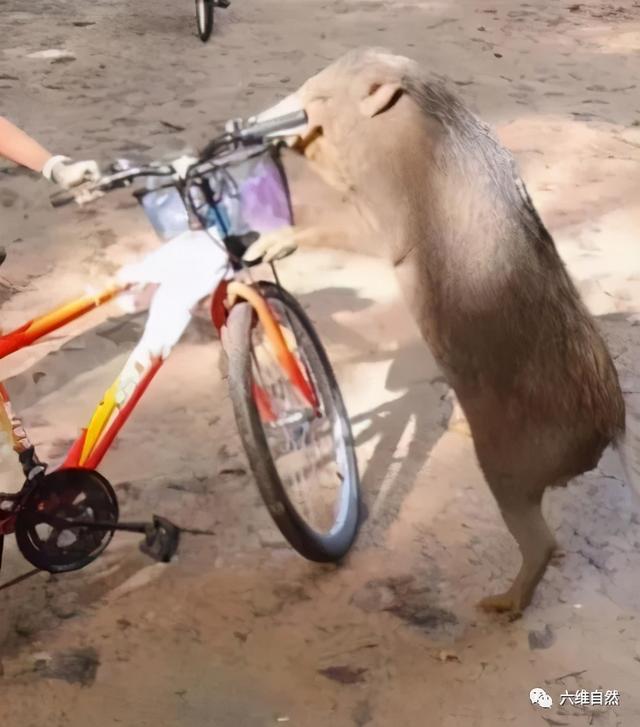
[(204, 17), (303, 459)]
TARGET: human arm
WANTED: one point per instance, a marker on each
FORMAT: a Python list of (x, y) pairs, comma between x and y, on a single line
[(20, 148)]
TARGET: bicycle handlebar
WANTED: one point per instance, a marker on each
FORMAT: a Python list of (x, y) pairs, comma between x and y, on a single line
[(257, 131), (253, 133), (120, 178), (240, 133), (61, 199)]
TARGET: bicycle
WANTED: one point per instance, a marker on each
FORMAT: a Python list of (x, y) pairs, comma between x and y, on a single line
[(204, 16), (287, 404)]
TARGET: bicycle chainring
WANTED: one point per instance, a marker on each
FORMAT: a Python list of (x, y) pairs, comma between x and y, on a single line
[(63, 523)]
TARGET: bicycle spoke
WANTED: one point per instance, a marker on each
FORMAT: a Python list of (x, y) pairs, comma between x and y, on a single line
[(302, 446)]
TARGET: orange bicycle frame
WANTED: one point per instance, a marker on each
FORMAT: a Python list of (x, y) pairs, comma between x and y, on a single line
[(224, 298), (95, 440), (52, 321), (99, 436)]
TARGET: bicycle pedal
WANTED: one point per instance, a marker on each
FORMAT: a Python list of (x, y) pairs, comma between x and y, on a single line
[(161, 540)]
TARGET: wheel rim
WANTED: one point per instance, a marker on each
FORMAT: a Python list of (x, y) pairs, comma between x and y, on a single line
[(201, 14), (310, 453)]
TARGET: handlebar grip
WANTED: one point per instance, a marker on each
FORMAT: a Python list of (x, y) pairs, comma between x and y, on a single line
[(261, 129), (60, 199)]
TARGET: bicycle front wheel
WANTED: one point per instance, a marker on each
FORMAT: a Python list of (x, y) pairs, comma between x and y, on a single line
[(302, 457), (204, 17)]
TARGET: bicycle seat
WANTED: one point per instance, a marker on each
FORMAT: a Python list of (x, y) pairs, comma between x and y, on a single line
[(3, 255)]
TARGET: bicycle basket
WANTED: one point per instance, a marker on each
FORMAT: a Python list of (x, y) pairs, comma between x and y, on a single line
[(249, 197)]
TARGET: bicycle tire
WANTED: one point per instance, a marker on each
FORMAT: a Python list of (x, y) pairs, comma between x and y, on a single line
[(316, 546), (204, 19)]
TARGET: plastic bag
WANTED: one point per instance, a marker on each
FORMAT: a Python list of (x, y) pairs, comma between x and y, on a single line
[(165, 210), (250, 196)]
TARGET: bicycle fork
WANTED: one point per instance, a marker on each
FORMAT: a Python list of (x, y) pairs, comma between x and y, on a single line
[(286, 358)]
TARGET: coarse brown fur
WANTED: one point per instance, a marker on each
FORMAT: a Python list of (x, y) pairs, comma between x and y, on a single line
[(482, 277)]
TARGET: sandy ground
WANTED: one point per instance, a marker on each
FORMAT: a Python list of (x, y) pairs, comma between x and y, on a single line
[(239, 630)]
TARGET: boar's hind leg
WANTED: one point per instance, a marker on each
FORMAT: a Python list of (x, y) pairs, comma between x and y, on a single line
[(522, 513)]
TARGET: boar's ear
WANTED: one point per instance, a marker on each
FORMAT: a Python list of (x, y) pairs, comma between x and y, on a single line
[(380, 97)]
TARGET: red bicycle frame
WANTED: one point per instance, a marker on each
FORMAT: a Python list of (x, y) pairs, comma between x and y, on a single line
[(110, 415)]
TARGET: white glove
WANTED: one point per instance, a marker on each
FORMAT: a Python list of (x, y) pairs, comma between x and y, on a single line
[(273, 246), (182, 164), (68, 174)]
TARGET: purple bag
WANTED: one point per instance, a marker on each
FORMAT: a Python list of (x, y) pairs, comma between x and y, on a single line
[(251, 195)]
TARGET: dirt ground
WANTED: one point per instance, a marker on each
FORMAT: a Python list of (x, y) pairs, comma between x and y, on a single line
[(238, 630)]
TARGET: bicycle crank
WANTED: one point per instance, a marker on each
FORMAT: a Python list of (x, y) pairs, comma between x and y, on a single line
[(69, 518), (53, 524)]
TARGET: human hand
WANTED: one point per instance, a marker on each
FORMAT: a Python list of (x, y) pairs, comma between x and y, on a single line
[(69, 174)]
